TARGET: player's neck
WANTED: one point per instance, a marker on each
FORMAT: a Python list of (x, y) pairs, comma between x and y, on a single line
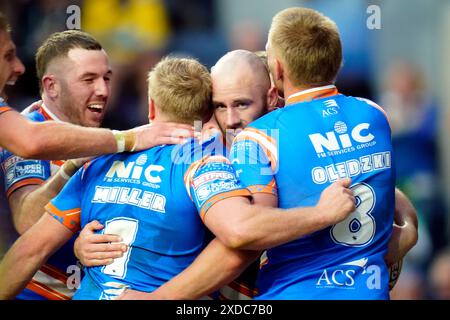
[(289, 89), (159, 118), (55, 112)]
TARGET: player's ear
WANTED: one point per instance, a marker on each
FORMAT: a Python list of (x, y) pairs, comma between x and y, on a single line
[(279, 71), (50, 86), (272, 98), (151, 109)]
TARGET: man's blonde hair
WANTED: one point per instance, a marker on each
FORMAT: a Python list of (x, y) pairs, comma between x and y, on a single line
[(181, 88), (308, 44)]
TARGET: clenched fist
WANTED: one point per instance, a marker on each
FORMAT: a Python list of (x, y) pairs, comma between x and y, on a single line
[(336, 202)]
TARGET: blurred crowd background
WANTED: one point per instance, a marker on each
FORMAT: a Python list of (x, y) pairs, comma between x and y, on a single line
[(403, 66)]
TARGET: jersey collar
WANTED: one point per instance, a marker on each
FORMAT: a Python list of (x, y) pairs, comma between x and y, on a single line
[(48, 115), (312, 94)]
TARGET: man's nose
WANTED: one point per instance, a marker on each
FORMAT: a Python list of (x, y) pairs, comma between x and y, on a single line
[(102, 88), (233, 118), (18, 67)]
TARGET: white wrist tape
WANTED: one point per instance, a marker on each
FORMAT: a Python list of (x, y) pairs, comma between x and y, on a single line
[(120, 140), (68, 169), (63, 174)]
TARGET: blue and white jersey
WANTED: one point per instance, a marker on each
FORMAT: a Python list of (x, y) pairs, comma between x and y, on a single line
[(295, 153), (155, 200), (50, 282)]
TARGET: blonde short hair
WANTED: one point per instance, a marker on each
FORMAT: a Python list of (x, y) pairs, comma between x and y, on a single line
[(181, 89), (308, 44)]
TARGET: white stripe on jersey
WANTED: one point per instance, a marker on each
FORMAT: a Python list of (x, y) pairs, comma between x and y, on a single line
[(261, 140), (53, 283)]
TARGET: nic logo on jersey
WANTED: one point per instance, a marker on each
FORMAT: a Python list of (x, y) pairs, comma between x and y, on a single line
[(340, 141), (133, 172)]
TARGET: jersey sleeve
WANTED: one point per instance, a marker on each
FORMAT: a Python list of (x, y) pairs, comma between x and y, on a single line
[(254, 157), (211, 180), (66, 206), (4, 109), (4, 106), (21, 172)]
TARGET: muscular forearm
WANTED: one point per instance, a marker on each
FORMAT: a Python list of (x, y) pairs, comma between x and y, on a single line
[(18, 267), (53, 140), (257, 230), (28, 254), (28, 208), (406, 219), (215, 267), (240, 225), (405, 229), (77, 141), (404, 210)]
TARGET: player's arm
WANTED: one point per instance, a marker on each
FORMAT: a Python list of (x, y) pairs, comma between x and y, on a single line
[(205, 275), (94, 249), (226, 210), (27, 203), (241, 225), (201, 278), (216, 266), (54, 140), (51, 140), (29, 253), (405, 229)]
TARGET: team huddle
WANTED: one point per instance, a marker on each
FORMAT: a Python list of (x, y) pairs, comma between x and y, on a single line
[(288, 191)]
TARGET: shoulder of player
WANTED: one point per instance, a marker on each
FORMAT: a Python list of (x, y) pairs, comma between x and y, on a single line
[(262, 128), (267, 121), (372, 104)]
